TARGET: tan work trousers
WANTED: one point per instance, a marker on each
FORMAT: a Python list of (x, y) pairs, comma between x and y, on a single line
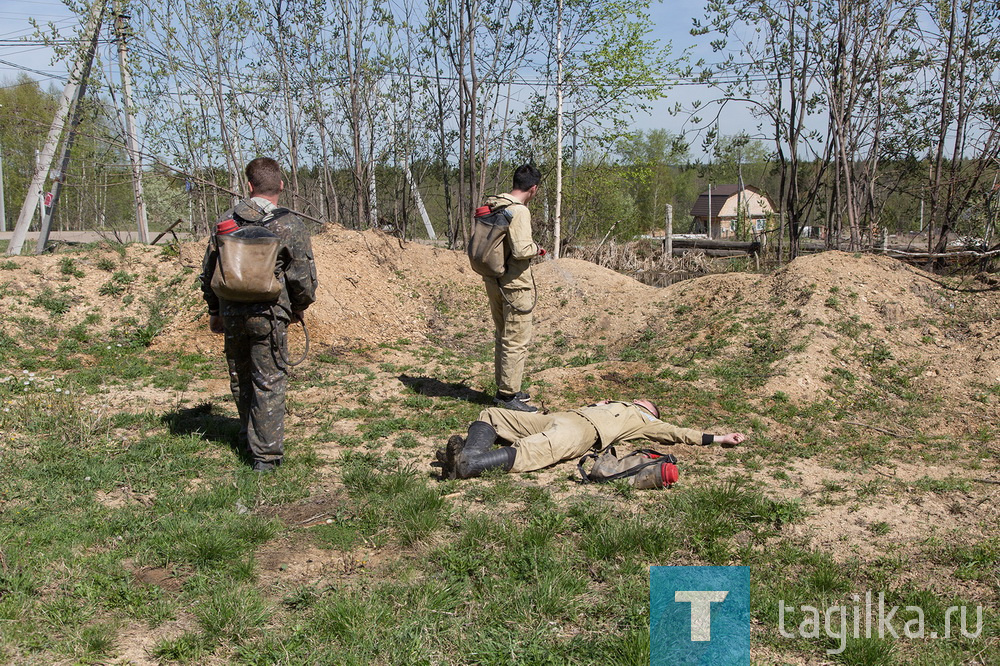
[(542, 439), (513, 333)]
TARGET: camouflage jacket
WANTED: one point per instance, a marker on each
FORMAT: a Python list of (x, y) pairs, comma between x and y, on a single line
[(295, 269)]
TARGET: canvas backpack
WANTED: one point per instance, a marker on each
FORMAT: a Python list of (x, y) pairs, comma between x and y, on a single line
[(246, 269), (487, 250), (645, 468)]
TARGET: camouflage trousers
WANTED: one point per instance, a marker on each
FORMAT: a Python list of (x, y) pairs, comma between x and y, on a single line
[(258, 379)]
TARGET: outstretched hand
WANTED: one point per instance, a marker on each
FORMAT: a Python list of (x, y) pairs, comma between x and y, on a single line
[(731, 439)]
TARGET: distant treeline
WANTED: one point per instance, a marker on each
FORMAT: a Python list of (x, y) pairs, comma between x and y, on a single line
[(871, 114)]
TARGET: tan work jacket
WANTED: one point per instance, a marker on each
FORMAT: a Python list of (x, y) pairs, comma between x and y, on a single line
[(618, 422), (520, 247)]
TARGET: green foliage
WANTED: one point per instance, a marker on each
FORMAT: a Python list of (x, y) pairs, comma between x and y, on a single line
[(106, 264), (54, 304), (67, 266), (22, 103), (111, 288)]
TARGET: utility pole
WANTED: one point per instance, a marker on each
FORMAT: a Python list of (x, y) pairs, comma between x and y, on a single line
[(71, 94), (131, 145), (48, 208), (556, 227), (3, 210), (668, 237)]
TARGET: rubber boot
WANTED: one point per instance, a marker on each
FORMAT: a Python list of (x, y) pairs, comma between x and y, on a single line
[(473, 463), (447, 456), (476, 454)]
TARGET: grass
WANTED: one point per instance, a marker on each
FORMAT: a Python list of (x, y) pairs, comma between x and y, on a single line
[(362, 557)]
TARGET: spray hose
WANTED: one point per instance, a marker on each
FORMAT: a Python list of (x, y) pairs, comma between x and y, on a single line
[(281, 352)]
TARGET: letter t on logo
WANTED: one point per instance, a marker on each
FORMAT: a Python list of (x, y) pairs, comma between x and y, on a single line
[(701, 610)]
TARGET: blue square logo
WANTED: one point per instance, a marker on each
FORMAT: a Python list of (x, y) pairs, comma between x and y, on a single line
[(699, 615)]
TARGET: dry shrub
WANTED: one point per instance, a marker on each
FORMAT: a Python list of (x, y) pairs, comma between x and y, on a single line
[(644, 261)]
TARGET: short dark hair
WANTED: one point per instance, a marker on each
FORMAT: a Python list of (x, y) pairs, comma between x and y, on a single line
[(526, 176), (264, 175)]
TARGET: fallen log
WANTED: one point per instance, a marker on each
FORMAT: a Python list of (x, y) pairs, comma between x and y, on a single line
[(682, 243)]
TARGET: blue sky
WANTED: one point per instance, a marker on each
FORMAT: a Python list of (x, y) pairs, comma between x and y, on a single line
[(673, 20)]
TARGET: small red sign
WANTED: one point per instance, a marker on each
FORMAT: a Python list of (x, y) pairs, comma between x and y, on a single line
[(48, 198)]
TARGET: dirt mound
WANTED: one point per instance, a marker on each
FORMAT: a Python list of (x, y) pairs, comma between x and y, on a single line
[(108, 290), (374, 290), (835, 320), (847, 320)]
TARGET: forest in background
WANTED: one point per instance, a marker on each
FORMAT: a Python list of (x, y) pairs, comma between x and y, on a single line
[(871, 115)]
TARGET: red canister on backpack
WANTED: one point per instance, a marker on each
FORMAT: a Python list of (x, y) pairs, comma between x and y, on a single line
[(226, 227)]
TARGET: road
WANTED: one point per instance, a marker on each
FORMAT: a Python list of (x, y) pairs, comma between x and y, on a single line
[(94, 236)]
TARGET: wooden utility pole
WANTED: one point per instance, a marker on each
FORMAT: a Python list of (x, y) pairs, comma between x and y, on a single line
[(3, 210), (71, 95), (668, 236), (131, 145), (557, 224)]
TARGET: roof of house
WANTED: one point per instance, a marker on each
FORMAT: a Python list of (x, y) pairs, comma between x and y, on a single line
[(720, 194)]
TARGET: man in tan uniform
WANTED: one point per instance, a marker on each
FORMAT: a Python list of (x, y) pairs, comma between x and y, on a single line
[(512, 295), (539, 440)]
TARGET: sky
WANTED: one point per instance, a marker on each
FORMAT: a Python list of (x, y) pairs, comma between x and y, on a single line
[(672, 19)]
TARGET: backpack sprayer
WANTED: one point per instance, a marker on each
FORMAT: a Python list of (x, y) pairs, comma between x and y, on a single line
[(244, 272)]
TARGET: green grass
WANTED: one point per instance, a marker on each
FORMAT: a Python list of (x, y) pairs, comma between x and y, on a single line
[(388, 565)]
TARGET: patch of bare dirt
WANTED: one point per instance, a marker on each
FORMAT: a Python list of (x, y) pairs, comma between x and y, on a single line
[(292, 563), (122, 496), (312, 510), (135, 642), (160, 577)]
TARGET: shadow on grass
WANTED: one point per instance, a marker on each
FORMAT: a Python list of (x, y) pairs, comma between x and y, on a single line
[(201, 421), (435, 388)]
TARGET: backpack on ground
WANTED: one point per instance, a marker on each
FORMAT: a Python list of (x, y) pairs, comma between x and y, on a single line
[(487, 250), (246, 270), (645, 468)]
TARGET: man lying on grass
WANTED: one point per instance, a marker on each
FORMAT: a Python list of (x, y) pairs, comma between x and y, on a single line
[(532, 441)]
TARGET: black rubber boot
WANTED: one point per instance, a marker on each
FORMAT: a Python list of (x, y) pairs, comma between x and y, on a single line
[(470, 457), (481, 439), (471, 464), (449, 454)]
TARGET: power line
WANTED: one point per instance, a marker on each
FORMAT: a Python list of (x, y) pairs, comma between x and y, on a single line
[(47, 75)]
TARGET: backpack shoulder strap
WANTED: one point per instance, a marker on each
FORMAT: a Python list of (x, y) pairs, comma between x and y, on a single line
[(584, 477)]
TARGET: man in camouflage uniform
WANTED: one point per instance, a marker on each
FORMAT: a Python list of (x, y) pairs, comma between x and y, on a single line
[(255, 333), (512, 295), (534, 441)]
